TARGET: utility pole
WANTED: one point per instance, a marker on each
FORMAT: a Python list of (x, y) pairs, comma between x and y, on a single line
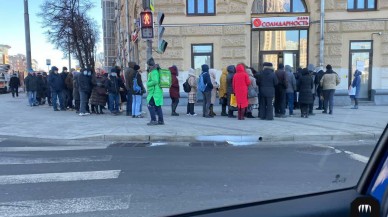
[(146, 6), (27, 35), (68, 39)]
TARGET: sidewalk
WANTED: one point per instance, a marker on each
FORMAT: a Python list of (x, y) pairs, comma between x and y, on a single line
[(20, 120)]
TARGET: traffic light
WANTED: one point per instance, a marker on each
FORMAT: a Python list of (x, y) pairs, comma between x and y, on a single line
[(162, 44), (147, 24)]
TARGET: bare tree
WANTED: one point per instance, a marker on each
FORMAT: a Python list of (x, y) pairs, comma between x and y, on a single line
[(70, 28)]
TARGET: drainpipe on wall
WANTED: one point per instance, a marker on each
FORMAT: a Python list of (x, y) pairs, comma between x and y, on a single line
[(127, 32), (322, 36)]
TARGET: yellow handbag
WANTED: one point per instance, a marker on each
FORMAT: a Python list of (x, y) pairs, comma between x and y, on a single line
[(233, 101)]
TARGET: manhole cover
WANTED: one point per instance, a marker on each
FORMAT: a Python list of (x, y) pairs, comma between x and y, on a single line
[(316, 150), (209, 144), (129, 144)]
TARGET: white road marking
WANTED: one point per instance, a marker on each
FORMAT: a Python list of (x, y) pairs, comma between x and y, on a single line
[(352, 155), (59, 177), (50, 148), (14, 160), (2, 139), (64, 206), (241, 143), (157, 144)]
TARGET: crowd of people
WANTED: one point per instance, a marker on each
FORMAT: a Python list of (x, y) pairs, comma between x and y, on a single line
[(240, 88)]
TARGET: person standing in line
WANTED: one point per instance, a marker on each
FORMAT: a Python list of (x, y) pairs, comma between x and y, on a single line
[(313, 74), (69, 89), (229, 90), (128, 73), (206, 91), (317, 81), (267, 83), (192, 80), (56, 87), (174, 90), (329, 82), (14, 84), (47, 88), (223, 92), (280, 92), (137, 90), (85, 88), (113, 84), (213, 97), (252, 100), (297, 74), (155, 94), (65, 91), (41, 90), (31, 84), (98, 96), (291, 88), (240, 86), (305, 97), (357, 85), (76, 96)]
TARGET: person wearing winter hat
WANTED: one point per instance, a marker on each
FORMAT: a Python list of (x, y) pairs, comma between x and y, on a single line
[(229, 89), (56, 87), (222, 91), (207, 91), (155, 94), (136, 90), (213, 97), (14, 84), (31, 84), (128, 76), (356, 83), (291, 88), (192, 95), (113, 85), (280, 92), (174, 90), (85, 88), (241, 83), (329, 82), (267, 83)]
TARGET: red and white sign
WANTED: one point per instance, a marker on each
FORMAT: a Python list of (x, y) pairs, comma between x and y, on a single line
[(280, 22)]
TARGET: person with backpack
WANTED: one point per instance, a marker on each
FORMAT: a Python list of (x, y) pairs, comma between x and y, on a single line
[(329, 82), (136, 89), (174, 90), (222, 92), (192, 94), (205, 86), (155, 94)]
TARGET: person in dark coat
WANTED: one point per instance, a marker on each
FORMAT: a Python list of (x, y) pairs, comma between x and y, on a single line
[(297, 74), (14, 84), (69, 87), (98, 96), (113, 85), (305, 85), (229, 89), (65, 90), (31, 84), (267, 83), (85, 88), (313, 74), (356, 84), (128, 72), (41, 91), (318, 78), (174, 90), (56, 87), (47, 88), (208, 91), (136, 95), (76, 96), (280, 92)]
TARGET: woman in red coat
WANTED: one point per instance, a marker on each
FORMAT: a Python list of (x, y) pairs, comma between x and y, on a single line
[(240, 87), (174, 90)]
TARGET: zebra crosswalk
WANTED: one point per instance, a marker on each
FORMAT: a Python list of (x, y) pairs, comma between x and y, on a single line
[(55, 204)]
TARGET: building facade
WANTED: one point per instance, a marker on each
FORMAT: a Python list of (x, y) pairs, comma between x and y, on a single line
[(18, 63), (222, 33), (4, 57), (108, 24)]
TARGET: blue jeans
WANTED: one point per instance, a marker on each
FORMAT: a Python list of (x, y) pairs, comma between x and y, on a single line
[(32, 98), (83, 101), (129, 104), (114, 101), (136, 104), (290, 97), (57, 95)]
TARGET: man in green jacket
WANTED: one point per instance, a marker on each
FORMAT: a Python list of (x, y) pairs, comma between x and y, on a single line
[(155, 94)]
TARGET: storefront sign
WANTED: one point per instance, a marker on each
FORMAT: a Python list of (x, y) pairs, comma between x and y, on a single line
[(280, 22)]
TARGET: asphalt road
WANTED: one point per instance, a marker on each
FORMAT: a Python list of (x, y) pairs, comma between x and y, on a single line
[(54, 178)]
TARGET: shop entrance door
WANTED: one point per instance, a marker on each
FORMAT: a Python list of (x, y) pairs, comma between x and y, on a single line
[(276, 57)]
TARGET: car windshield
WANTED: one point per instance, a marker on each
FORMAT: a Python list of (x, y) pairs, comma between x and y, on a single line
[(152, 108)]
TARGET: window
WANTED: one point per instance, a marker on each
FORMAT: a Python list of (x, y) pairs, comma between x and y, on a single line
[(200, 7), (201, 54), (276, 6), (362, 5)]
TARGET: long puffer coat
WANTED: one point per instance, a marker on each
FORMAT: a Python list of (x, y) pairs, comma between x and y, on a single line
[(304, 86), (240, 86), (98, 96)]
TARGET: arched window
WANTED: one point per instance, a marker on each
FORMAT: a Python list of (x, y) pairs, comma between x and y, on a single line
[(278, 6)]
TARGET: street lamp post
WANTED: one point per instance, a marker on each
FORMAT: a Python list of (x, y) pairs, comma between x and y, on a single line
[(27, 34)]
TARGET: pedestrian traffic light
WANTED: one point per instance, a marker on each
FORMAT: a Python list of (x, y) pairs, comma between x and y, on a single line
[(162, 44), (147, 24)]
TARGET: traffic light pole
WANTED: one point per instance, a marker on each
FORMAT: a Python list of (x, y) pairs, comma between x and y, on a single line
[(149, 49)]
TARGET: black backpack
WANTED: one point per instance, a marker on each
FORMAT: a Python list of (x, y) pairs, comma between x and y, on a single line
[(186, 86)]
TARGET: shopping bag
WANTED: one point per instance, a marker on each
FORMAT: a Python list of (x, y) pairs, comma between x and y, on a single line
[(352, 91), (165, 78), (233, 101)]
